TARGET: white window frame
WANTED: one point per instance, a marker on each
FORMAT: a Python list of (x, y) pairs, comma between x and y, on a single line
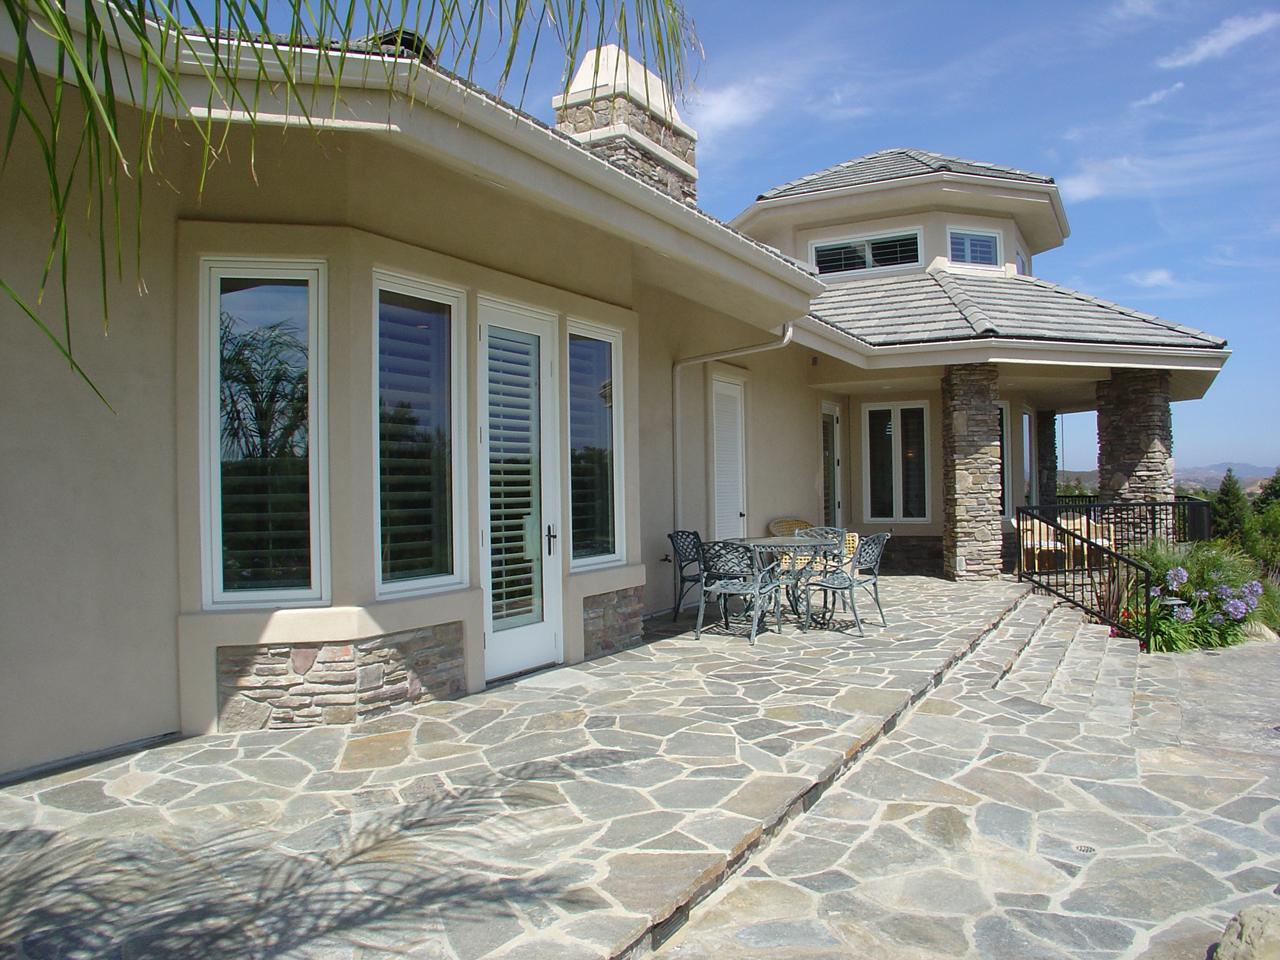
[(831, 408), (612, 336), (1030, 457), (456, 299), (1006, 465), (896, 407), (917, 231), (212, 271), (996, 235)]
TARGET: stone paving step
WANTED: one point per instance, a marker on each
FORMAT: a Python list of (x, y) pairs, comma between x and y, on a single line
[(1094, 825)]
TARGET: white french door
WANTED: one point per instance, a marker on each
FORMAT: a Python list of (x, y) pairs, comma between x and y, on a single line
[(520, 489), (728, 454)]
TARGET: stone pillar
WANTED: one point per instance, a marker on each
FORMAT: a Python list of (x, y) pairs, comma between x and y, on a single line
[(972, 534), (1135, 436), (624, 114), (1047, 455)]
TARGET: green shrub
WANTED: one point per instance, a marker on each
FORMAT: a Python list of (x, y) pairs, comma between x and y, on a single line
[(1201, 595)]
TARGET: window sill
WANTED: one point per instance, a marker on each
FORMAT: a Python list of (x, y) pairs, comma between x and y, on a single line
[(419, 588)]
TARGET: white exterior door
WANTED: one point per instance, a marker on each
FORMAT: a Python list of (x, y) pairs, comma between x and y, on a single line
[(728, 460), (520, 489)]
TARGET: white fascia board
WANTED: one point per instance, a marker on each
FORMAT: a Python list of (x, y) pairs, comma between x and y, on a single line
[(650, 210), (759, 207), (818, 336)]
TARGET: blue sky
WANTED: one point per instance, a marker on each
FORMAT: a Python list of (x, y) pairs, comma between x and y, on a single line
[(1160, 120)]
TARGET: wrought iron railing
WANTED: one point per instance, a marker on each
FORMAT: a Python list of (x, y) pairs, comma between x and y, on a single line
[(1078, 549)]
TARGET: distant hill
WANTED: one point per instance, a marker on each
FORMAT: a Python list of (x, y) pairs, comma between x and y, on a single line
[(1251, 476)]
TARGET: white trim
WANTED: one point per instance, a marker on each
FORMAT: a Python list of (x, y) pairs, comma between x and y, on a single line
[(644, 143), (544, 325), (456, 299), (833, 409), (612, 336), (1006, 465), (212, 270), (740, 383), (1030, 456), (839, 275), (896, 408), (743, 220), (995, 233)]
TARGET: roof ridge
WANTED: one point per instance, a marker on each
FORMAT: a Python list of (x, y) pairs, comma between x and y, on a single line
[(1121, 308), (973, 314)]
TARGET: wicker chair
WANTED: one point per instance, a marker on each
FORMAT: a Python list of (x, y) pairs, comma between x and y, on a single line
[(787, 526), (686, 552), (729, 569)]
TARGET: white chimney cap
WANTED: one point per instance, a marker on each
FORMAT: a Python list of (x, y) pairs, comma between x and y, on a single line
[(617, 74)]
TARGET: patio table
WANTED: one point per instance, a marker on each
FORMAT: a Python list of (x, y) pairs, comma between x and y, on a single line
[(793, 548)]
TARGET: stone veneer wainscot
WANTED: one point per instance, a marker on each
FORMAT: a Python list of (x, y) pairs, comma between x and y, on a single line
[(292, 686)]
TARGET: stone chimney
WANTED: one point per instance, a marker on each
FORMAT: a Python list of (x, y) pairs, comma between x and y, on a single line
[(624, 114)]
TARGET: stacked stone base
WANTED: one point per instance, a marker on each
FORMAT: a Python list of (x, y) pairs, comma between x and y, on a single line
[(921, 556), (294, 686), (612, 621)]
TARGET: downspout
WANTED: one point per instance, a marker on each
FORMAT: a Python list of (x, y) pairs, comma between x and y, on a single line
[(677, 501)]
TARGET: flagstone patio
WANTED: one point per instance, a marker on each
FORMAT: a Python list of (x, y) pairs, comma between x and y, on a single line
[(569, 811)]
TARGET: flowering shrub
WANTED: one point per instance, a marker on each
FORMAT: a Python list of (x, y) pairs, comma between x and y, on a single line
[(1202, 595)]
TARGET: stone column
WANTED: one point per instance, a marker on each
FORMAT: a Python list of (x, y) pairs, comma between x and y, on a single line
[(1135, 436), (971, 509), (1047, 455)]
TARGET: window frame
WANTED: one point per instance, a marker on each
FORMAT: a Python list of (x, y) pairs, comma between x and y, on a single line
[(614, 337), (896, 407), (1030, 455), (456, 298), (315, 272), (916, 231), (1006, 459), (996, 235)]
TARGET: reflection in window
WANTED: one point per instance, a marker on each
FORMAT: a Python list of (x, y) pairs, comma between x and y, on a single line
[(973, 248), (897, 463), (264, 474), (591, 441), (867, 254), (880, 462), (415, 426)]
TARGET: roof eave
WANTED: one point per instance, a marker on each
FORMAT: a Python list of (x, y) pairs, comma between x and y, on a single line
[(761, 206)]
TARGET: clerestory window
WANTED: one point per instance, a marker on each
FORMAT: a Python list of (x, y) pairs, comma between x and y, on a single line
[(867, 253)]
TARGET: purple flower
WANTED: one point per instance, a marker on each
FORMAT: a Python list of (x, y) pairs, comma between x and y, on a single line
[(1252, 590), (1202, 594), (1175, 578), (1224, 592), (1251, 602), (1235, 609), (1154, 592), (1217, 620), (1183, 614)]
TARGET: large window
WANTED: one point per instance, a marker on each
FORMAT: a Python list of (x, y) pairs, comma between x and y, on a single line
[(263, 431), (419, 404), (595, 425), (867, 253), (981, 248), (896, 461)]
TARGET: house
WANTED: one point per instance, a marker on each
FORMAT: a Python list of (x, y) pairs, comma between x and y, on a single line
[(410, 403)]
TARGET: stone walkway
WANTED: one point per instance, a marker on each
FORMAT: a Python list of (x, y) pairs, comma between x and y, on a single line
[(1091, 803), (575, 813)]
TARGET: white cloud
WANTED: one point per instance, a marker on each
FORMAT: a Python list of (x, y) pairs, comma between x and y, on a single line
[(735, 106), (1201, 162), (1222, 39), (1151, 99), (1157, 277)]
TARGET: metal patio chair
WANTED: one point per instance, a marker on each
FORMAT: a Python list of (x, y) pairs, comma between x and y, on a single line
[(686, 552), (829, 572), (730, 570), (866, 568)]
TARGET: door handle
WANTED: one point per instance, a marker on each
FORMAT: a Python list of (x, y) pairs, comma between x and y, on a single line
[(550, 538), (743, 516)]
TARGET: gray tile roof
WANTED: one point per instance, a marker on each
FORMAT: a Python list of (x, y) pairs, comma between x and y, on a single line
[(895, 164), (942, 305)]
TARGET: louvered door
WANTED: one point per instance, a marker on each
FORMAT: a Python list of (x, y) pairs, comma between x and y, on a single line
[(521, 490), (728, 452)]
